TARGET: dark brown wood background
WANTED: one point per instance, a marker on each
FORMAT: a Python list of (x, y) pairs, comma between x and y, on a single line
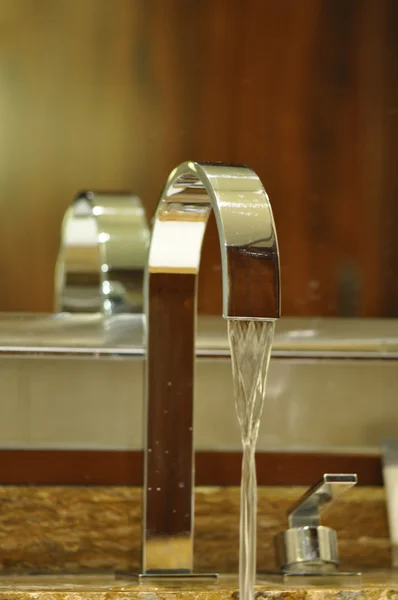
[(115, 93), (102, 467)]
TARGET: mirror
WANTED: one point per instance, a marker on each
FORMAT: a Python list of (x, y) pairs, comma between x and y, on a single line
[(100, 96)]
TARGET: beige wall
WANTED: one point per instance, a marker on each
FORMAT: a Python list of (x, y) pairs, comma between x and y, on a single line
[(98, 403)]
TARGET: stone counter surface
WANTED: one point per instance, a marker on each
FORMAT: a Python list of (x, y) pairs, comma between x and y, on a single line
[(373, 586), (85, 529), (92, 530)]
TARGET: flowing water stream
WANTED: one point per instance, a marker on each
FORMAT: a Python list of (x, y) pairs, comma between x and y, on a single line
[(250, 343)]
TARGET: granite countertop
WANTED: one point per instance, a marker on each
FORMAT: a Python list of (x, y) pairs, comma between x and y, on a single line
[(372, 585)]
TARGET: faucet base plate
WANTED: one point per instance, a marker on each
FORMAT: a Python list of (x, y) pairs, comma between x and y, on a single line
[(166, 576), (311, 577)]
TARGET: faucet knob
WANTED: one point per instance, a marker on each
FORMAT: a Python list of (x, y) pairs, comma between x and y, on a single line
[(307, 545)]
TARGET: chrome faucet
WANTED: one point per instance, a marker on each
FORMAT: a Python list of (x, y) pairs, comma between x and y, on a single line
[(102, 254), (251, 291), (307, 546)]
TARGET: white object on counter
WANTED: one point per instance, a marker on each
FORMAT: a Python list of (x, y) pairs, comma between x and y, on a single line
[(390, 476)]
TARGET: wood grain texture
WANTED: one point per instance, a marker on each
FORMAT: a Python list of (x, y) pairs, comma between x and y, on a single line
[(389, 217), (103, 94), (96, 528)]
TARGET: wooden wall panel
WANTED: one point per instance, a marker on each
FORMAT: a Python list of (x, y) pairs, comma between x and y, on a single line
[(115, 93), (389, 213)]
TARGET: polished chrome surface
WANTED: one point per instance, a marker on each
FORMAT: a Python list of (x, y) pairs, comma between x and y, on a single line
[(307, 548), (307, 510), (307, 544), (251, 290), (248, 243), (102, 255)]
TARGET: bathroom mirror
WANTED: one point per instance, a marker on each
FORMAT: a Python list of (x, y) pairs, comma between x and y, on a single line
[(101, 98)]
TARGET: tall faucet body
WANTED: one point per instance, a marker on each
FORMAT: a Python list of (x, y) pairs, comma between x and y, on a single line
[(251, 291)]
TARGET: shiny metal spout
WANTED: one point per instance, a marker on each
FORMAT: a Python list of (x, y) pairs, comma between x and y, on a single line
[(102, 254), (251, 290)]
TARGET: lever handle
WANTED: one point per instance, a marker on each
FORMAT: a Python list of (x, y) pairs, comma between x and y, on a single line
[(307, 544), (306, 512)]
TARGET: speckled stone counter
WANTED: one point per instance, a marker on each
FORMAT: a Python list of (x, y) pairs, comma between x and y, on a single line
[(83, 529), (374, 586)]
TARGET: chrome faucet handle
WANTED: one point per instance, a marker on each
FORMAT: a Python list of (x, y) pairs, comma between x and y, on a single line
[(308, 545), (306, 511)]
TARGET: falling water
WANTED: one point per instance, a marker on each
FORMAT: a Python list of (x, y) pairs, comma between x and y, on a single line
[(250, 343)]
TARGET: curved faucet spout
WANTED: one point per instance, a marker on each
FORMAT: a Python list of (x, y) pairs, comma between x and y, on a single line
[(249, 248), (251, 291)]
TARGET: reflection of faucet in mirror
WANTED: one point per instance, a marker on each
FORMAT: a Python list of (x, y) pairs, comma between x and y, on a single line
[(102, 255), (251, 291)]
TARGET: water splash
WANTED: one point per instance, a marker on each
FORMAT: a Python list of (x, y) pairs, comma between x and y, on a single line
[(250, 343)]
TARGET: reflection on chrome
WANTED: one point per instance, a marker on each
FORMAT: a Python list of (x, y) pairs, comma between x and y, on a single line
[(102, 255), (251, 290), (307, 546)]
